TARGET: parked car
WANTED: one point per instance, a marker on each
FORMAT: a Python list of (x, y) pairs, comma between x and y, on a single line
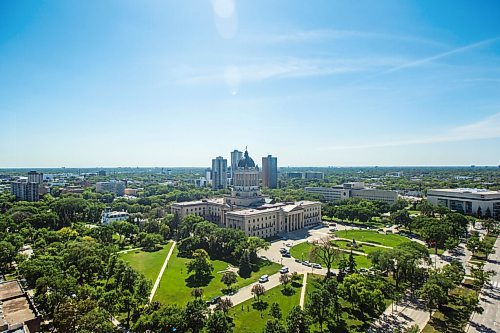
[(283, 250), (264, 278), (214, 300), (288, 244), (298, 260), (317, 266), (284, 270), (306, 263), (263, 258), (286, 255)]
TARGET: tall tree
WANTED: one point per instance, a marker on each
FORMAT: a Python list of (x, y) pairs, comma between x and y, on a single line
[(318, 306), (325, 250), (195, 315), (274, 326), (200, 265), (297, 321), (433, 295), (218, 322)]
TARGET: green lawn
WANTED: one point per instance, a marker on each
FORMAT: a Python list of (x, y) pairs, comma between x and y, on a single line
[(248, 320), (365, 248), (147, 263), (175, 286), (303, 251), (391, 240)]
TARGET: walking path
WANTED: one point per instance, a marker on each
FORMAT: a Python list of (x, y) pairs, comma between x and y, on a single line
[(303, 291), (129, 250), (407, 313), (366, 243), (158, 279), (489, 320)]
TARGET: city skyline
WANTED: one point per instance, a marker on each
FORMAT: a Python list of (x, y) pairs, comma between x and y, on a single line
[(123, 83)]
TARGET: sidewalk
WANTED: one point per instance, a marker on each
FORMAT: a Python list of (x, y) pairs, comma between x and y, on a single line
[(407, 313)]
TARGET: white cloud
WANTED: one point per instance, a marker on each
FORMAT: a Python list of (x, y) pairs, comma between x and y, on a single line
[(291, 68), (488, 128), (427, 60), (331, 34)]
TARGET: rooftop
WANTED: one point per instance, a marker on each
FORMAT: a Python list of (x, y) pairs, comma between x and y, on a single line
[(467, 190)]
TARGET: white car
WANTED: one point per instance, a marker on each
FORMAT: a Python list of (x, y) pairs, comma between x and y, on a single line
[(284, 270), (317, 266), (306, 263), (264, 278)]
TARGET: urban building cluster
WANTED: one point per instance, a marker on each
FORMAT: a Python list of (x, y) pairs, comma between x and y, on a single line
[(221, 175), (247, 209), (353, 190), (472, 201)]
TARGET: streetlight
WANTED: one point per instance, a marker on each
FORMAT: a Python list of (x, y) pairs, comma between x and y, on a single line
[(395, 293)]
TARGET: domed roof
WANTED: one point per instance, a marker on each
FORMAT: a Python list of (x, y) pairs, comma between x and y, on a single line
[(246, 161)]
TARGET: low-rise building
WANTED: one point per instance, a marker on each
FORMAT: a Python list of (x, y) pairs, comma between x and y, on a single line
[(131, 192), (353, 190), (472, 201), (17, 310), (109, 216)]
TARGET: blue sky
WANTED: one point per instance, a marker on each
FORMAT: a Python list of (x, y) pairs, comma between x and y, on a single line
[(316, 83)]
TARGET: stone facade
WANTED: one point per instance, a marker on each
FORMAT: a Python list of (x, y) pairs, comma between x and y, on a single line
[(246, 208)]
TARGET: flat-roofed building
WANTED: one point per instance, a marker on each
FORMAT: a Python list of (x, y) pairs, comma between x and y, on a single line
[(17, 310), (470, 201), (353, 190), (109, 216), (25, 191), (114, 186)]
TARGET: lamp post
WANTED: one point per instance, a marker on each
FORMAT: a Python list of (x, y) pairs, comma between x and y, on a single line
[(396, 292)]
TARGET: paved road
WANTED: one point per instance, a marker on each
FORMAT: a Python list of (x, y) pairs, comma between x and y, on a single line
[(489, 320), (246, 292)]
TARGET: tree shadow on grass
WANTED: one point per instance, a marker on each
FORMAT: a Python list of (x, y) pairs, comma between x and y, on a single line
[(260, 305), (193, 281), (288, 291)]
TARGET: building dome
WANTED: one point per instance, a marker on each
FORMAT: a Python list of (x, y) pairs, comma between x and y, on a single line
[(246, 162)]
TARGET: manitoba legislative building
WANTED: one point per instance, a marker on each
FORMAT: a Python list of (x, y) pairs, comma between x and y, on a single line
[(248, 210)]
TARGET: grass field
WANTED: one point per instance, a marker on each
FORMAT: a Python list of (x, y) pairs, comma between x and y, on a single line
[(303, 251), (360, 248), (391, 240), (175, 285), (248, 320), (147, 263)]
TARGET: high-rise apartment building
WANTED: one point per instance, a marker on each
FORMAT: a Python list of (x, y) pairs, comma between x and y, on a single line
[(270, 172), (219, 173), (236, 155), (25, 191), (35, 177)]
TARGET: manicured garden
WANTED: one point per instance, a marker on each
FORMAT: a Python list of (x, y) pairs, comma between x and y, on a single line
[(303, 251), (369, 236), (147, 263), (176, 285), (248, 320)]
